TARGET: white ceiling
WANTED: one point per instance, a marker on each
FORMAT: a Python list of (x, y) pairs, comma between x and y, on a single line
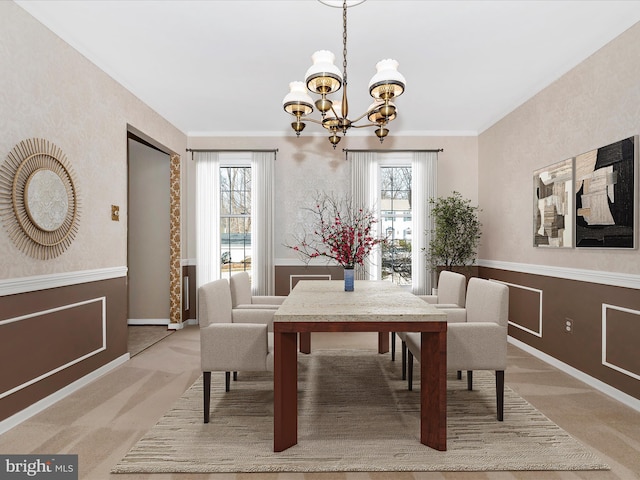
[(222, 67)]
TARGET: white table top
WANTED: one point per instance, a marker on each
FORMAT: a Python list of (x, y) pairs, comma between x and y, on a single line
[(326, 301)]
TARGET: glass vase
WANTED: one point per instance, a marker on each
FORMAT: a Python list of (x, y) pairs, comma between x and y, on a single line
[(348, 279)]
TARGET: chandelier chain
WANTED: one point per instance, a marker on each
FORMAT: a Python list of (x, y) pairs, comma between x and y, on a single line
[(323, 78), (344, 41)]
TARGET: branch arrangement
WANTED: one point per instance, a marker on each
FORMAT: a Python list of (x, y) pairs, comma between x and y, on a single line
[(340, 232)]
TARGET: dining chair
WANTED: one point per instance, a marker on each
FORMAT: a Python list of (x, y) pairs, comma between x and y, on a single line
[(241, 297), (452, 288), (231, 340), (451, 291), (479, 343)]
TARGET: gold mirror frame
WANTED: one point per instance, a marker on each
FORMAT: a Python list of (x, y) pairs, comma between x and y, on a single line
[(30, 233)]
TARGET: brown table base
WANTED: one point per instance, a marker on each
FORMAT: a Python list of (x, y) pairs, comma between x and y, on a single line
[(305, 342), (433, 381)]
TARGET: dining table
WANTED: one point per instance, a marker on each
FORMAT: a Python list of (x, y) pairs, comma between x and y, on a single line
[(373, 306)]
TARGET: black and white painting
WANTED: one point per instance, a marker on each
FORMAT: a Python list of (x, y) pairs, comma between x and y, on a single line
[(553, 205), (605, 196)]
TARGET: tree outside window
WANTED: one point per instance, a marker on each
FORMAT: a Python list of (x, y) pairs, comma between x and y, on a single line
[(395, 220), (235, 220)]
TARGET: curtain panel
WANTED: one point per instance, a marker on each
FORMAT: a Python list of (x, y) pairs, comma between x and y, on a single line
[(207, 217), (263, 223), (364, 192), (424, 185)]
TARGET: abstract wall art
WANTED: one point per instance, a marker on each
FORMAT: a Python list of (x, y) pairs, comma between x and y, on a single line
[(605, 194), (553, 211)]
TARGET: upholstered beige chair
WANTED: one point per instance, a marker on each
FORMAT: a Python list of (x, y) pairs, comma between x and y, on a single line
[(452, 289), (241, 294), (231, 340), (480, 343)]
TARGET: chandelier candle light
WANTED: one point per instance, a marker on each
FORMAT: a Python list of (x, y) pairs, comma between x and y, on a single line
[(324, 78)]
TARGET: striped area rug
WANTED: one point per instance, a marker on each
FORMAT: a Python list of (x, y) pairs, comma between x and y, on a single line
[(355, 414)]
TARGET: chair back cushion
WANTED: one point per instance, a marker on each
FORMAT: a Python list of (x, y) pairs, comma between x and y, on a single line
[(214, 303), (487, 301), (452, 288), (240, 289)]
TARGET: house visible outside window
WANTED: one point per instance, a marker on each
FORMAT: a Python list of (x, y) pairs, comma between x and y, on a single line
[(396, 221), (235, 218)]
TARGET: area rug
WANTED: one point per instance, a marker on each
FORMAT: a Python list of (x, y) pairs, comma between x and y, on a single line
[(355, 414)]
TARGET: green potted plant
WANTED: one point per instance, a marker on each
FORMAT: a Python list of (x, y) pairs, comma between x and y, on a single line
[(456, 235)]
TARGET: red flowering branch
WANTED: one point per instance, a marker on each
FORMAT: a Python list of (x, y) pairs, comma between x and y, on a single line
[(340, 232)]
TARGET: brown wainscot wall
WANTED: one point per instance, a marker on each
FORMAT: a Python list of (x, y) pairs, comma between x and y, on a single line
[(592, 327), (53, 337), (287, 276), (189, 289)]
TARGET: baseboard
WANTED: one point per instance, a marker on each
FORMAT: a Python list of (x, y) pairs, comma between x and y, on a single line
[(55, 397), (180, 326), (148, 321), (614, 393)]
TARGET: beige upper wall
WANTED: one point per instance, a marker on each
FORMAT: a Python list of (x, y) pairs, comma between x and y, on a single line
[(308, 164), (595, 104), (48, 90)]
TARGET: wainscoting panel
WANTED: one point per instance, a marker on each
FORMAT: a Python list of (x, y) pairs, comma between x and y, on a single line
[(620, 339), (593, 327), (53, 337), (49, 352), (525, 307), (288, 275)]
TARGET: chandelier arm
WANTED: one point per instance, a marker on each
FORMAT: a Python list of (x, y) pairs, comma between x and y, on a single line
[(364, 115), (336, 113), (368, 125), (309, 119)]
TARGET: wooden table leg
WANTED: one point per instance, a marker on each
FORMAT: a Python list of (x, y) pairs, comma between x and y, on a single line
[(285, 391), (433, 390), (305, 342), (383, 342)]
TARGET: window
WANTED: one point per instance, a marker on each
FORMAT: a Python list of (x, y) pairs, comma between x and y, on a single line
[(396, 221), (235, 216), (235, 219), (399, 184)]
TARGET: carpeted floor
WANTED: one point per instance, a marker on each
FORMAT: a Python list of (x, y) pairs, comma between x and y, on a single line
[(355, 414), (141, 337)]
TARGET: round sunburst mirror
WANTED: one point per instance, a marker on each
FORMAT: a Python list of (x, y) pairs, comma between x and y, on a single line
[(39, 199)]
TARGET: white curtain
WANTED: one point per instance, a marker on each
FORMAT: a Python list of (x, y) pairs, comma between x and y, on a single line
[(262, 223), (364, 192), (207, 217), (424, 184)]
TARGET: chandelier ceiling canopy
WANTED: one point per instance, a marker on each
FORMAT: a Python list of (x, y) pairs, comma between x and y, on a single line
[(324, 78)]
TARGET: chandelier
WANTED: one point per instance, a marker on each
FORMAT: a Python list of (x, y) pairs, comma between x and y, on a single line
[(324, 78)]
